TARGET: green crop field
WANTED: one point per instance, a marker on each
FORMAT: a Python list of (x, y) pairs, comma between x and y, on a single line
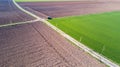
[(100, 32)]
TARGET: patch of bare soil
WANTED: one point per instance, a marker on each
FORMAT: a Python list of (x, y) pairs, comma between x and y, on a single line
[(61, 9), (9, 13), (37, 45)]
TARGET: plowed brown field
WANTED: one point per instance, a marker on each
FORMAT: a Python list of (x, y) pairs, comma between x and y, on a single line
[(9, 13), (61, 9), (37, 45)]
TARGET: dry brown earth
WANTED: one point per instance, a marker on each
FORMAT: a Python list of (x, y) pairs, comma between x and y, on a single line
[(9, 13), (61, 9), (37, 45)]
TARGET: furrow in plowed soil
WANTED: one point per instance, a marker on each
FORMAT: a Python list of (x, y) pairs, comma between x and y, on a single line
[(9, 13), (61, 9), (37, 45)]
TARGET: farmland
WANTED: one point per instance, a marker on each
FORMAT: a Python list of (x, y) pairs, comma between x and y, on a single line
[(35, 44), (62, 9), (93, 23), (37, 0), (97, 31), (11, 14)]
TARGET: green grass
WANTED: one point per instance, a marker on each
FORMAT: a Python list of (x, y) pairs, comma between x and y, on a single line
[(100, 32)]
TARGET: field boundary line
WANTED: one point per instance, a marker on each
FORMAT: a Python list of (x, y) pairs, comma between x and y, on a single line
[(18, 23), (85, 48)]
